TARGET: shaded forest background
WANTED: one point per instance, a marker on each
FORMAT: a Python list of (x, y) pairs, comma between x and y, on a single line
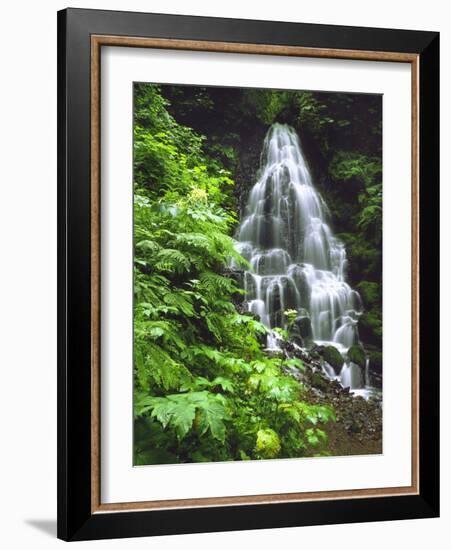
[(341, 134), (202, 375)]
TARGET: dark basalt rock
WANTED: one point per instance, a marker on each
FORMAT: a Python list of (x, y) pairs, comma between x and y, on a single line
[(304, 326), (301, 332)]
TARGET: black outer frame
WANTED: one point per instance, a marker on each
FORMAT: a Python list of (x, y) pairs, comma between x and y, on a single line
[(75, 520)]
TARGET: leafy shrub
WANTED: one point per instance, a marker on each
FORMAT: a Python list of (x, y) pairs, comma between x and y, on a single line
[(370, 293), (205, 390), (347, 165)]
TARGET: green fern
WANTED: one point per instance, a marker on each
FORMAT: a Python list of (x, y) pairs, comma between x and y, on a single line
[(178, 411), (205, 390)]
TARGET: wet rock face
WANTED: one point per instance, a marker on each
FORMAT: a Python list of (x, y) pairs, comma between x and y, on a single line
[(236, 274), (297, 271), (249, 151), (301, 330), (304, 326)]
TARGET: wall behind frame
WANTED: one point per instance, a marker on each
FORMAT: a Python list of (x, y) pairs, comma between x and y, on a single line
[(28, 275)]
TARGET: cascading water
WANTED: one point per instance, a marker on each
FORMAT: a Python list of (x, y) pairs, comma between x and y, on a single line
[(297, 263)]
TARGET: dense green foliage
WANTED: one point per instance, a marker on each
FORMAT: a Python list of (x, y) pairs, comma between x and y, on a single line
[(205, 390)]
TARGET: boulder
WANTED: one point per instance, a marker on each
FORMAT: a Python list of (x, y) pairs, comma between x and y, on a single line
[(356, 354), (333, 357)]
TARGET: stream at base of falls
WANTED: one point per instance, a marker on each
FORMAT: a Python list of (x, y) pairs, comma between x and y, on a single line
[(297, 264)]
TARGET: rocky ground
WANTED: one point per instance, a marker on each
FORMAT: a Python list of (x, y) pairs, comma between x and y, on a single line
[(358, 426)]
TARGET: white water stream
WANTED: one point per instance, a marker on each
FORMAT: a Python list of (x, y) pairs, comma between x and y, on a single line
[(297, 262)]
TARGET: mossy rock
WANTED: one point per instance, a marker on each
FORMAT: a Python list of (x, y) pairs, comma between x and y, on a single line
[(333, 357), (376, 361), (356, 354), (313, 352)]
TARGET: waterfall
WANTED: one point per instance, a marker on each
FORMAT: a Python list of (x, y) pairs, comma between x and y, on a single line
[(296, 261)]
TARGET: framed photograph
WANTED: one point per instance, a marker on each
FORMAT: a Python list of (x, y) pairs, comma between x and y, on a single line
[(248, 274)]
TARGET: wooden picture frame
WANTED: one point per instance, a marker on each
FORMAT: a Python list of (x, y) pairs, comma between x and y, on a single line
[(81, 35)]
